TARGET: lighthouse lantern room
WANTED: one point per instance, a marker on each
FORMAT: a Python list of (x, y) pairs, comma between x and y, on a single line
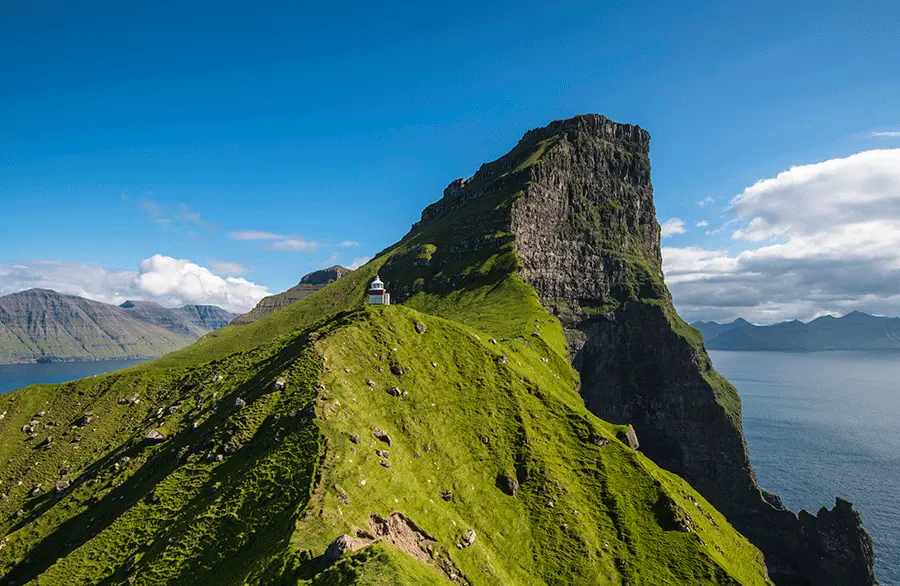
[(377, 293)]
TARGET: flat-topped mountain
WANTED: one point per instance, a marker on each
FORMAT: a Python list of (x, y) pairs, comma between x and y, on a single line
[(854, 331), (43, 325), (310, 283), (530, 410)]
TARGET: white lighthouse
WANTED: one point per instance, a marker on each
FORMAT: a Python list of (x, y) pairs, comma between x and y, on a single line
[(377, 293)]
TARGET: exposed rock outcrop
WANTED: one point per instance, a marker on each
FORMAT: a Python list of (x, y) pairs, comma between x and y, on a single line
[(308, 285), (575, 201)]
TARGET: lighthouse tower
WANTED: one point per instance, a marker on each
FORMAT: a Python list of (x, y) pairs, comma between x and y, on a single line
[(377, 293)]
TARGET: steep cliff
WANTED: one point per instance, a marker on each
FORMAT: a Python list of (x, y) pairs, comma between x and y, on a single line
[(310, 283), (441, 441), (574, 202)]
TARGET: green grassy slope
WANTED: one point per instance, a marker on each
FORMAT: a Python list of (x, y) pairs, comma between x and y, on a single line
[(253, 481), (468, 419)]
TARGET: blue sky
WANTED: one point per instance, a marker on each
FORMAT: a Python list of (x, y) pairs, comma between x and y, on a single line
[(129, 130)]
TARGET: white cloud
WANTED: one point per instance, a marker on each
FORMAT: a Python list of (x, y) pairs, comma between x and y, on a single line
[(185, 214), (163, 279), (820, 238), (358, 262), (672, 226), (702, 224), (167, 215), (175, 281), (294, 244), (73, 278), (349, 243), (256, 235), (706, 202), (886, 134), (229, 268)]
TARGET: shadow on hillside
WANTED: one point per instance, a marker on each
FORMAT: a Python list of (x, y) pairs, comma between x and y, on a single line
[(273, 522)]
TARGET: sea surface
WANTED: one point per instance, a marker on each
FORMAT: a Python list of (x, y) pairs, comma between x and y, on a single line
[(821, 424), (16, 376)]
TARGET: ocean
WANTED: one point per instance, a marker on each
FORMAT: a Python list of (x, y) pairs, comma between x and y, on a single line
[(16, 376), (818, 425), (826, 424)]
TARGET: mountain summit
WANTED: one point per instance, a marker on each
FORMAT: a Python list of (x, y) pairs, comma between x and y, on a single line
[(447, 438)]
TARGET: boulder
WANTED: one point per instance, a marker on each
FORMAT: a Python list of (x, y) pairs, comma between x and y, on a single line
[(394, 392), (239, 403), (155, 436), (398, 370), (467, 539), (62, 486), (507, 484), (629, 437), (338, 547), (280, 384), (382, 435), (420, 327)]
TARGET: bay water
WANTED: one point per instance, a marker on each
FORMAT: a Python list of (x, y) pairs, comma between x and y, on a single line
[(826, 424), (16, 376)]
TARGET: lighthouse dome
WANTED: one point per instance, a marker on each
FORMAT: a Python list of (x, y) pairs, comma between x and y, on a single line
[(376, 284)]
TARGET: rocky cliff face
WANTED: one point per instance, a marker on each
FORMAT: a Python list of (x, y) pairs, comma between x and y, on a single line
[(309, 284), (43, 325), (575, 201), (194, 320)]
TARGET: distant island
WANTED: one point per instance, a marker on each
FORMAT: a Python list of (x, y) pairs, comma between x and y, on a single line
[(40, 325), (854, 331)]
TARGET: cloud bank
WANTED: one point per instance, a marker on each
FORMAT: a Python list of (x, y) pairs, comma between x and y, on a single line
[(168, 281), (815, 239)]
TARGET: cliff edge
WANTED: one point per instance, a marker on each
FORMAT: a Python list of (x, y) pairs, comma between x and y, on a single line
[(579, 215)]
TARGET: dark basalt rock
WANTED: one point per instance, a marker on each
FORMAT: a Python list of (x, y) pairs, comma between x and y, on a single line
[(583, 225)]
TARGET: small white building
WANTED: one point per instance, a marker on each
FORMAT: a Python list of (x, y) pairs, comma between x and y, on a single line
[(377, 293)]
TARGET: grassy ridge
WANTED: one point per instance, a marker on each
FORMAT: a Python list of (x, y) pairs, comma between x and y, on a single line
[(471, 418), (255, 479), (231, 522)]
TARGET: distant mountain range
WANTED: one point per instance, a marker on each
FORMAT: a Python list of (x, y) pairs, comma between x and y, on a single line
[(308, 284), (39, 325), (854, 331)]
